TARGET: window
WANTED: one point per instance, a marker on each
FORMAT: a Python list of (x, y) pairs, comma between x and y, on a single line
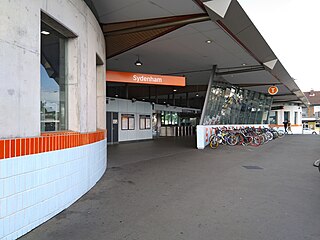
[(145, 122), (295, 117), (273, 117), (53, 80), (286, 116), (127, 122)]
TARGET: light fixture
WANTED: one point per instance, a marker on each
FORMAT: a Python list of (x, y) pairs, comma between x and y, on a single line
[(116, 95), (45, 32), (197, 95), (208, 41), (174, 90), (143, 99), (138, 62), (164, 102), (243, 64)]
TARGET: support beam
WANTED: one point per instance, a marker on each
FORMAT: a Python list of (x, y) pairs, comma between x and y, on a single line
[(243, 70), (213, 74), (191, 19)]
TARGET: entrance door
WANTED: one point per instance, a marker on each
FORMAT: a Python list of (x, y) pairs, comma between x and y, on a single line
[(115, 128), (112, 127)]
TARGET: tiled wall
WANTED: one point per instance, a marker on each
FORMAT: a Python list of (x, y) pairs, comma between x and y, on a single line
[(34, 188), (46, 142)]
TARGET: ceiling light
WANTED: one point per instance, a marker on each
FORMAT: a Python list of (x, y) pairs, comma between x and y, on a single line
[(45, 32), (143, 99), (116, 95), (243, 64), (197, 95), (208, 41), (164, 102), (138, 62), (174, 90)]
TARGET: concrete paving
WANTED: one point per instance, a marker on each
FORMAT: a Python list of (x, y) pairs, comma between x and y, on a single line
[(167, 189)]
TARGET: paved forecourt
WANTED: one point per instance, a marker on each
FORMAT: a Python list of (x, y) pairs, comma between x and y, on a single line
[(167, 189)]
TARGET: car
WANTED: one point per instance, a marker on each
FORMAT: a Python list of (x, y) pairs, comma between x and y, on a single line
[(309, 131)]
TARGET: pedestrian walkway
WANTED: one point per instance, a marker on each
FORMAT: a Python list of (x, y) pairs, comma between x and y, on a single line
[(167, 189)]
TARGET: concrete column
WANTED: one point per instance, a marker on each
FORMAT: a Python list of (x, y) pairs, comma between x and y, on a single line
[(187, 99), (173, 99), (156, 93), (126, 91)]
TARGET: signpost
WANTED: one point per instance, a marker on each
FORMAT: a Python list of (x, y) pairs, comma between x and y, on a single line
[(144, 78), (273, 90)]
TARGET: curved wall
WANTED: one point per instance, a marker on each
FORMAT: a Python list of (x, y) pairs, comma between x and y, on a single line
[(36, 187), (38, 179)]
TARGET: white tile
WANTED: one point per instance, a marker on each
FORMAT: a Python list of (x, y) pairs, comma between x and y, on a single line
[(11, 204), (3, 207), (11, 224), (1, 188), (1, 228), (4, 168), (8, 188), (6, 226)]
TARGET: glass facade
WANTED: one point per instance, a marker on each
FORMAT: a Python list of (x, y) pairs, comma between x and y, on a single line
[(53, 81), (231, 105)]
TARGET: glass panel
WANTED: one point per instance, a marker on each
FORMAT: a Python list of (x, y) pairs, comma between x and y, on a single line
[(53, 81), (231, 105)]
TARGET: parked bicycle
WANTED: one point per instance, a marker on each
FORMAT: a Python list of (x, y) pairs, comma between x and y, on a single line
[(243, 136)]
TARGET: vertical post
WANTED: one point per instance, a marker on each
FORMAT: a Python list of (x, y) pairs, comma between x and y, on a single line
[(173, 99), (127, 91), (213, 73), (156, 93), (149, 93), (187, 99)]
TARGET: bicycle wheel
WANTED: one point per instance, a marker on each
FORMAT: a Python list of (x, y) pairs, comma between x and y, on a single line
[(214, 142), (280, 133), (269, 136), (240, 138), (256, 141), (232, 140)]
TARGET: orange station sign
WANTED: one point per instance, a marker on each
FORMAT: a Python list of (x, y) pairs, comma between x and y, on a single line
[(273, 90), (144, 78)]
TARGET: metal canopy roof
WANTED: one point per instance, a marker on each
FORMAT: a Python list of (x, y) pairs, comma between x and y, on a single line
[(182, 50)]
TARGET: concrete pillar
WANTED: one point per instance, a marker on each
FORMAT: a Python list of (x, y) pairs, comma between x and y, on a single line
[(187, 99), (127, 91), (156, 93)]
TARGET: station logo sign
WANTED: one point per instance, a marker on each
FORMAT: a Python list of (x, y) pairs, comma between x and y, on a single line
[(273, 90), (144, 78)]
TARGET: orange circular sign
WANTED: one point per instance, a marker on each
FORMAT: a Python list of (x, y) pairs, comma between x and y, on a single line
[(273, 90)]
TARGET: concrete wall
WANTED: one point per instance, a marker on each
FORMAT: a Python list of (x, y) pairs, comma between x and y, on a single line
[(123, 106), (35, 188), (20, 66)]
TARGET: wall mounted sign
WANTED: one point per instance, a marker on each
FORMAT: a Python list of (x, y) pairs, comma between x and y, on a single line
[(144, 78), (273, 90)]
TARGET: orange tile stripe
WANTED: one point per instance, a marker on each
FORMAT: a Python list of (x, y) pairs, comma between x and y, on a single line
[(47, 142)]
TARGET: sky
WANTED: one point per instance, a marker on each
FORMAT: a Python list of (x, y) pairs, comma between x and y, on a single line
[(291, 29)]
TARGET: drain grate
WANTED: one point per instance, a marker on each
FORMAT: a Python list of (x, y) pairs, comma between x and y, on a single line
[(252, 167)]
